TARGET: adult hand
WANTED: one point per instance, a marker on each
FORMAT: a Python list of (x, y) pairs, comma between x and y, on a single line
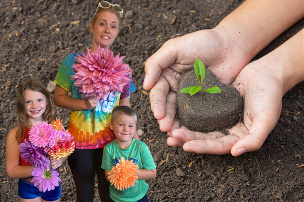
[(262, 84), (91, 102), (262, 92), (226, 50), (177, 56)]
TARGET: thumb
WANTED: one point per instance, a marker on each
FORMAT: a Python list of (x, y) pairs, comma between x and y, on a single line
[(246, 144), (159, 61), (262, 125)]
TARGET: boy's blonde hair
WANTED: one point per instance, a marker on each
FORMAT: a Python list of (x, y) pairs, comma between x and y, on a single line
[(121, 109)]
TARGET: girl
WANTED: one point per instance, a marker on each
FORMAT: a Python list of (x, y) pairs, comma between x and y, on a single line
[(85, 161), (33, 106)]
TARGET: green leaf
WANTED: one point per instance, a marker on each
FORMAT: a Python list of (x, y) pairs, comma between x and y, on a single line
[(200, 69), (197, 70), (186, 90), (213, 89), (191, 90), (200, 72), (195, 89)]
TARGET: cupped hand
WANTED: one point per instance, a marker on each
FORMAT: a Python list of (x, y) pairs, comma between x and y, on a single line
[(176, 57), (262, 92)]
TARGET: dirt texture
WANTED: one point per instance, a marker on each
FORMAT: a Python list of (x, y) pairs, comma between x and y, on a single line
[(206, 112), (36, 35)]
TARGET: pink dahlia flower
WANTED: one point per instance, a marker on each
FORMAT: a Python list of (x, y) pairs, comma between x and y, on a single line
[(45, 180), (62, 149), (64, 144), (99, 74), (42, 135), (60, 135)]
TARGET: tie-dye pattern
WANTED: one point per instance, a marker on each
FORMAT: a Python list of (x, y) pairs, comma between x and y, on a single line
[(81, 122), (81, 125)]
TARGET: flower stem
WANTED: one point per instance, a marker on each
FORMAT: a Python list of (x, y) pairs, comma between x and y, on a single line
[(93, 120)]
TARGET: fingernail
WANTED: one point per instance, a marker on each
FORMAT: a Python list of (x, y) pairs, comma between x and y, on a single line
[(240, 151), (145, 80)]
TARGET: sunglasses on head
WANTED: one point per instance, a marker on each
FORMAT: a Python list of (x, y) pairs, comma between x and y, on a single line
[(105, 4)]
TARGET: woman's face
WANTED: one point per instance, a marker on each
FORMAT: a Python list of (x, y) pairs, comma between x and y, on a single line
[(105, 30)]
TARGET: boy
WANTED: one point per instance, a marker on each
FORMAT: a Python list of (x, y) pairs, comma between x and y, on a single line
[(123, 124)]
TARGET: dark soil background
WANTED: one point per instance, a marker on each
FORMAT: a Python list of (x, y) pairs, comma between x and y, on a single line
[(36, 35)]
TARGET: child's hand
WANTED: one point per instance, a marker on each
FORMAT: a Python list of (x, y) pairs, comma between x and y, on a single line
[(91, 102), (144, 174), (56, 163)]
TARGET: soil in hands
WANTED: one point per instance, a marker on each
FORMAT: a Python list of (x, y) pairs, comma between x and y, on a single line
[(207, 112)]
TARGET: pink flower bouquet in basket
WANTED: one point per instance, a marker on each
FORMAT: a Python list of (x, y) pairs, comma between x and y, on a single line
[(100, 73), (46, 141)]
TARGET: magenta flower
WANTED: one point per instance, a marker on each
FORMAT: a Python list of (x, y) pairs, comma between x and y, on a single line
[(44, 142), (64, 146), (34, 155), (45, 180), (62, 149), (100, 73), (42, 135), (60, 135)]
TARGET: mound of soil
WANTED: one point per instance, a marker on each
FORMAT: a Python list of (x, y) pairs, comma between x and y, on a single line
[(35, 36), (209, 111)]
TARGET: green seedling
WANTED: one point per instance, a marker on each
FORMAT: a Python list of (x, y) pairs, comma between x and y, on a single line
[(200, 72)]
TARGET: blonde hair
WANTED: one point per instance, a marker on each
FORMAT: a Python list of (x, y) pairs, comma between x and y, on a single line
[(100, 10), (122, 109), (23, 120)]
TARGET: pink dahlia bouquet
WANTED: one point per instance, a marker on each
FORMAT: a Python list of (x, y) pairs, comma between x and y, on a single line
[(46, 141), (101, 73)]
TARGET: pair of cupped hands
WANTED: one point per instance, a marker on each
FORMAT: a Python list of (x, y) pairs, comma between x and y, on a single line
[(256, 81)]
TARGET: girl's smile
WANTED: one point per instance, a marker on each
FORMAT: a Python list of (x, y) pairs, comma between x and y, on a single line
[(35, 104), (35, 111)]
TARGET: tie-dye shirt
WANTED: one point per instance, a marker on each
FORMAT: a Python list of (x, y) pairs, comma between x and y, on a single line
[(81, 122)]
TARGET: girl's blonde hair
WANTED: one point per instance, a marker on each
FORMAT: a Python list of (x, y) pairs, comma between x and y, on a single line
[(23, 120)]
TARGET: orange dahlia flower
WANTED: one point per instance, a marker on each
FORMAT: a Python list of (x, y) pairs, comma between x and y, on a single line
[(57, 124), (123, 175)]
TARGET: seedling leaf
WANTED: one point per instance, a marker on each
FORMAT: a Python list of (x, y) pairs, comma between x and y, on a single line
[(195, 89), (191, 90), (213, 89), (186, 90), (197, 70), (200, 70)]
